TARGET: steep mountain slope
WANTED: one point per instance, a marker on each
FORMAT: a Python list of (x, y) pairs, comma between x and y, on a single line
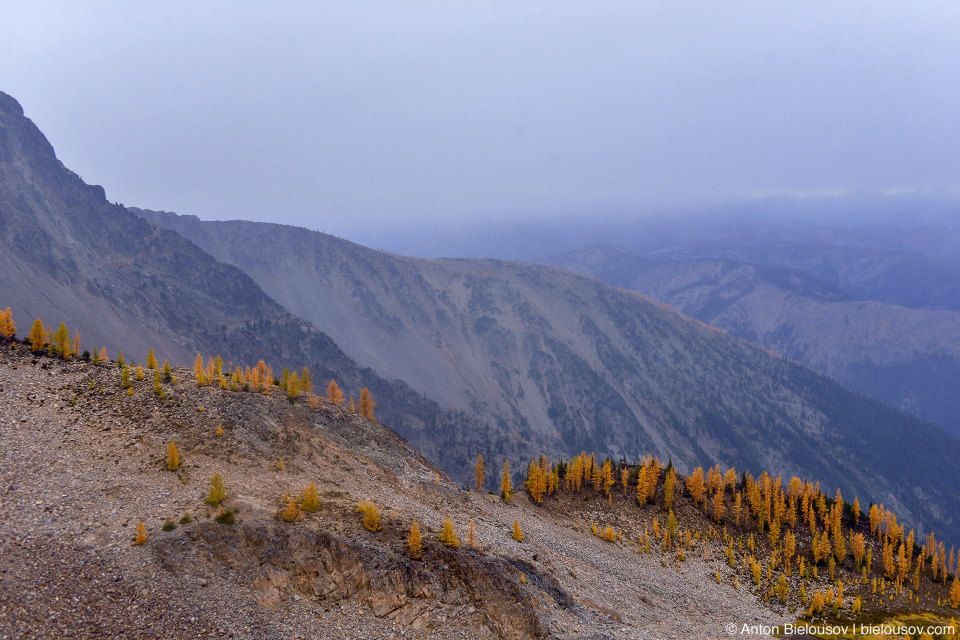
[(906, 357), (86, 463), (568, 363), (69, 255)]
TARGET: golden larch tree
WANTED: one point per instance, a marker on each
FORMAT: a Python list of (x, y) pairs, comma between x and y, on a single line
[(103, 355), (151, 360), (669, 486), (367, 404), (606, 473), (517, 533), (306, 381), (291, 513), (718, 506), (506, 484), (37, 335), (293, 387), (534, 482), (173, 457), (8, 328), (61, 340), (198, 370), (448, 536), (76, 343), (695, 485), (479, 473), (218, 492), (414, 542), (371, 515), (311, 499), (141, 534), (472, 534), (333, 393)]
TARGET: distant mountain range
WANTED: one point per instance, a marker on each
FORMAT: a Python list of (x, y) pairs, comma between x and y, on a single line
[(505, 359), (907, 357)]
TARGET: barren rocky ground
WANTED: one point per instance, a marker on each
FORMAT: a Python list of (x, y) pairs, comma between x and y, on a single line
[(83, 463)]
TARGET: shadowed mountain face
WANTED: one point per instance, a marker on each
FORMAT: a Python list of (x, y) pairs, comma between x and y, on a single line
[(908, 358), (568, 363), (66, 254)]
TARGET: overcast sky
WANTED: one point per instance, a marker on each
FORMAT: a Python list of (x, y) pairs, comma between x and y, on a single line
[(342, 116)]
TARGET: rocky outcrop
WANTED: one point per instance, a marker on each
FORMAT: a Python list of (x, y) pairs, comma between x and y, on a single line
[(279, 563)]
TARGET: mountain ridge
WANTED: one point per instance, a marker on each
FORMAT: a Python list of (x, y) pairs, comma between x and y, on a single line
[(566, 384), (907, 357)]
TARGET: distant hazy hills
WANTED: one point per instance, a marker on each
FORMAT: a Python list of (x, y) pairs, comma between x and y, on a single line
[(568, 363), (522, 358), (908, 357)]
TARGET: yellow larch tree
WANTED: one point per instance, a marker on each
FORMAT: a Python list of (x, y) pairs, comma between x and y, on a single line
[(310, 499), (414, 542), (151, 360), (718, 506), (669, 487), (479, 473), (471, 534), (198, 371), (76, 343), (607, 474), (367, 404), (534, 481), (448, 536), (293, 387), (173, 457), (218, 492), (517, 533), (306, 381), (371, 515), (506, 484), (334, 394), (38, 336), (8, 328), (291, 513), (61, 341), (695, 486)]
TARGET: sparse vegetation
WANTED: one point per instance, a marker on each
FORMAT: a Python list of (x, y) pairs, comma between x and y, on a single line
[(448, 536), (173, 457), (311, 499), (371, 515), (218, 493), (291, 513)]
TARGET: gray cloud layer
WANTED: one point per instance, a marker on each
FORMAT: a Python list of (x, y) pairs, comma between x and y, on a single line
[(342, 116)]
